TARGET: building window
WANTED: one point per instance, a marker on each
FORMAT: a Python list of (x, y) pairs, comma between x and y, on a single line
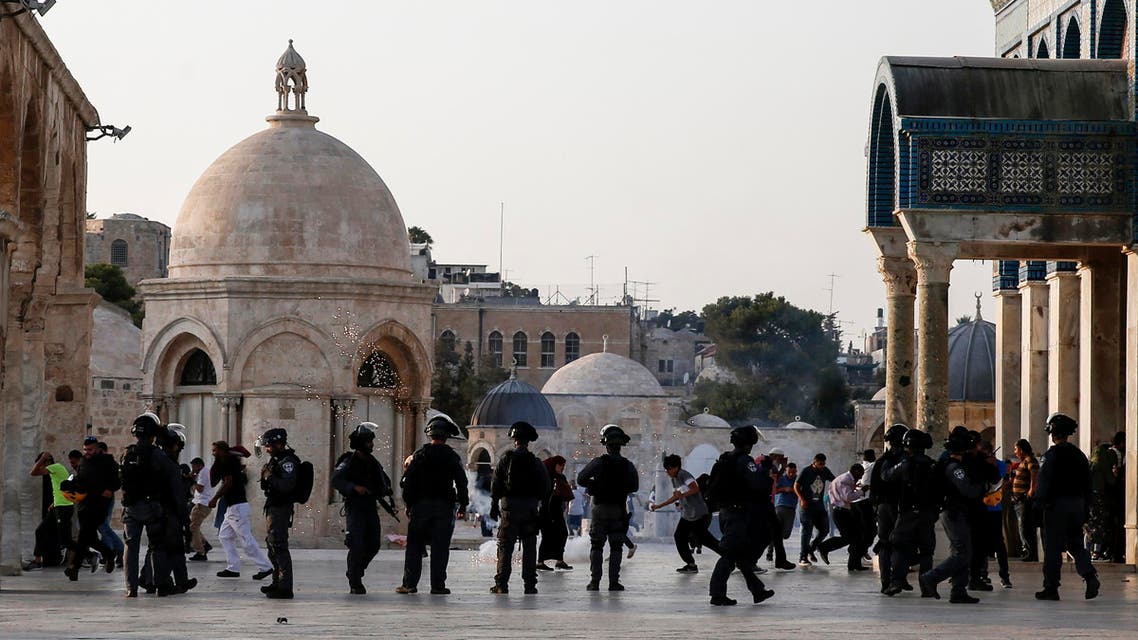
[(665, 366), (521, 349), (106, 384), (198, 370), (119, 253), (447, 339), (572, 347), (547, 359), (378, 372), (496, 348)]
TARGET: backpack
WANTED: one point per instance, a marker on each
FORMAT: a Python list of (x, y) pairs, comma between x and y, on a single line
[(704, 483), (521, 475), (609, 484), (138, 477), (304, 479)]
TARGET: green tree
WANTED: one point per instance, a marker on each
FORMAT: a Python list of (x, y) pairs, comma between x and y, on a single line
[(109, 282), (418, 236), (727, 400), (458, 384), (784, 358)]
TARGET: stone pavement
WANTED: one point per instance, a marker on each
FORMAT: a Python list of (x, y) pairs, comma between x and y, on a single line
[(819, 602)]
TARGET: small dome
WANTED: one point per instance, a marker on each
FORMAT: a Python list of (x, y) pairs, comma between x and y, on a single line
[(707, 420), (603, 374), (880, 395), (513, 401), (972, 362), (798, 424)]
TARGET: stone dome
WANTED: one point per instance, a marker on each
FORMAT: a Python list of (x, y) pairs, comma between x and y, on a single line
[(290, 201), (707, 420), (512, 401), (716, 373), (972, 362), (603, 374)]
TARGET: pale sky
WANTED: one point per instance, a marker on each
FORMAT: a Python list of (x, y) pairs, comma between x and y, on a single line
[(713, 148)]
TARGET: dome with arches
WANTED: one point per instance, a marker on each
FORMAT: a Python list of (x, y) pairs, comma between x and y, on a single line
[(513, 401), (290, 201)]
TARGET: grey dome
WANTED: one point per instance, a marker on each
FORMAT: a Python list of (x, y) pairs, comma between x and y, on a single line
[(972, 362), (511, 401)]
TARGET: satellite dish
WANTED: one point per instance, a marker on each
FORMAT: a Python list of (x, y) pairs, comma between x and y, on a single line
[(687, 377)]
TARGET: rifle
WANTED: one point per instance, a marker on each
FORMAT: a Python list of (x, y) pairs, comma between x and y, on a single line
[(389, 506)]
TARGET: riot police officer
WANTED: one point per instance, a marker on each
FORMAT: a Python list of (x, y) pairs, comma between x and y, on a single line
[(1064, 490), (884, 497), (912, 536), (740, 487), (952, 480), (278, 480), (433, 482), (520, 484), (143, 493), (175, 505), (361, 480), (608, 479)]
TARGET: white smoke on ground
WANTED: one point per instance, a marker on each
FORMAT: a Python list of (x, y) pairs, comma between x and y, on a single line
[(576, 550)]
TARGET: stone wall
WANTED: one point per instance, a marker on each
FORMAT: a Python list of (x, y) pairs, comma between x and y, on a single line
[(45, 313), (147, 245), (116, 377)]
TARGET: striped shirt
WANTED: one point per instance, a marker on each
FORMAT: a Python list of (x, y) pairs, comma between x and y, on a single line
[(1027, 469)]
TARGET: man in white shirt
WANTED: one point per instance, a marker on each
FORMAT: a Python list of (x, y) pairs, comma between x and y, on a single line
[(203, 492), (843, 492), (576, 509)]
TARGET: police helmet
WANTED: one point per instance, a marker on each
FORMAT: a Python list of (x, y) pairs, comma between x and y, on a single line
[(364, 432), (172, 436), (523, 431), (441, 426), (895, 434), (745, 436), (274, 435), (958, 441), (613, 434), (1060, 424), (146, 425), (916, 439)]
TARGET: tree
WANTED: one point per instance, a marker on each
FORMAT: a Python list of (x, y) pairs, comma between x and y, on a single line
[(418, 236), (727, 400), (784, 358), (458, 385), (109, 282), (964, 320)]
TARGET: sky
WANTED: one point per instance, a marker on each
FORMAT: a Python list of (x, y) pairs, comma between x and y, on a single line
[(710, 148)]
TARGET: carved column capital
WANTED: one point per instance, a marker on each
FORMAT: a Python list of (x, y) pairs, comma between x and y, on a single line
[(933, 260), (900, 275), (228, 400)]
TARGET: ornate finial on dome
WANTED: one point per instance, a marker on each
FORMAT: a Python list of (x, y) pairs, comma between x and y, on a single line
[(978, 297), (605, 343), (291, 68)]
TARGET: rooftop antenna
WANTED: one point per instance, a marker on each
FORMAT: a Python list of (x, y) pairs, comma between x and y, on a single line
[(501, 236), (592, 260), (832, 277)]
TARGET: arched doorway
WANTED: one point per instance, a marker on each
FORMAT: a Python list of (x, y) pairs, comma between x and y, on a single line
[(1112, 30), (1041, 50), (1072, 40), (882, 168), (197, 408)]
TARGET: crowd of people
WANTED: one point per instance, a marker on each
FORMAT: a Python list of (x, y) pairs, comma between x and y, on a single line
[(886, 505)]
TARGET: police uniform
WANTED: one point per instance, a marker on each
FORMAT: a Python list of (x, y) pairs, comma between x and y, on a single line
[(1064, 491), (608, 479), (142, 501), (959, 490), (278, 480), (433, 482), (519, 517), (175, 507), (740, 487), (912, 536), (884, 497), (359, 468)]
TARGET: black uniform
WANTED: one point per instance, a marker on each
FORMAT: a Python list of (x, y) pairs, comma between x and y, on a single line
[(96, 474), (884, 495), (960, 491), (608, 479), (986, 474), (360, 468), (740, 488), (1064, 491), (278, 480), (520, 485), (176, 516), (146, 494), (434, 481), (912, 536)]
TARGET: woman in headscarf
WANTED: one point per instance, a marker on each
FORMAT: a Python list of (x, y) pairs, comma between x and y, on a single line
[(551, 518), (1100, 525)]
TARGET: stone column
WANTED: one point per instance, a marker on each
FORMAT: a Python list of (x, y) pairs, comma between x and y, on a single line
[(1035, 295), (1100, 360), (934, 263), (229, 402), (1063, 338), (900, 275), (1131, 457), (171, 404), (1008, 354)]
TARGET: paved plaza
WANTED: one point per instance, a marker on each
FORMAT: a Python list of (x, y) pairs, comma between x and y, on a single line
[(819, 602)]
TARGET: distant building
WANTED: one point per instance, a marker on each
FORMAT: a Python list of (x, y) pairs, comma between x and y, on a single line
[(670, 355), (140, 247)]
